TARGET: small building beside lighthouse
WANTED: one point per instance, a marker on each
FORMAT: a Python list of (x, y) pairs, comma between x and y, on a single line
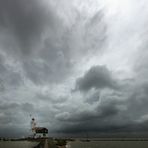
[(38, 132)]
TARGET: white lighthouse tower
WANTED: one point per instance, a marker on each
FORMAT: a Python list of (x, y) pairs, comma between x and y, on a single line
[(33, 126)]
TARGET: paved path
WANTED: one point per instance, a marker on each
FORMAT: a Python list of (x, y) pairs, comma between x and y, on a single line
[(46, 143)]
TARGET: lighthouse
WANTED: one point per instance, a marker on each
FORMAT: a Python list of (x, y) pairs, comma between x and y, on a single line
[(33, 126), (38, 132)]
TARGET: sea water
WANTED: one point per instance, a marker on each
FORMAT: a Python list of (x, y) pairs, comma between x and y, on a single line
[(108, 144), (17, 144)]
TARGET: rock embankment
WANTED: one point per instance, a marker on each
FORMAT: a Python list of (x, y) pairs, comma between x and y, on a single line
[(50, 143)]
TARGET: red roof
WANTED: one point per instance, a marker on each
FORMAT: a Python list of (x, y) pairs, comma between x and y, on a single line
[(41, 130)]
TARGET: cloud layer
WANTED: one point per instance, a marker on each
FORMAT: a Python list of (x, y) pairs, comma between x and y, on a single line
[(76, 66), (97, 77)]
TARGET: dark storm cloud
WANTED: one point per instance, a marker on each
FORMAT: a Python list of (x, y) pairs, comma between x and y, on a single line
[(101, 111), (100, 119), (13, 132), (96, 77), (33, 29), (37, 48), (14, 109), (63, 46), (11, 118), (113, 115), (137, 103), (44, 47), (24, 19), (107, 130)]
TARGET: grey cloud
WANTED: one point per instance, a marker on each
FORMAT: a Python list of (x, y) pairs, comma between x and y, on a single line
[(9, 78), (13, 132), (47, 71), (49, 98), (52, 49), (13, 117), (113, 114), (96, 24), (3, 70), (107, 130), (37, 72), (93, 98), (27, 107), (61, 49), (102, 112), (87, 36), (12, 113), (137, 103), (96, 77), (44, 46), (24, 19)]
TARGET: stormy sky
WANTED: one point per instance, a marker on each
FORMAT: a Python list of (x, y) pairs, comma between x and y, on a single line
[(77, 66)]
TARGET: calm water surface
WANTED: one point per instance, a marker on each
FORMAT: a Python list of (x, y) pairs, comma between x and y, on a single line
[(17, 144), (108, 144)]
